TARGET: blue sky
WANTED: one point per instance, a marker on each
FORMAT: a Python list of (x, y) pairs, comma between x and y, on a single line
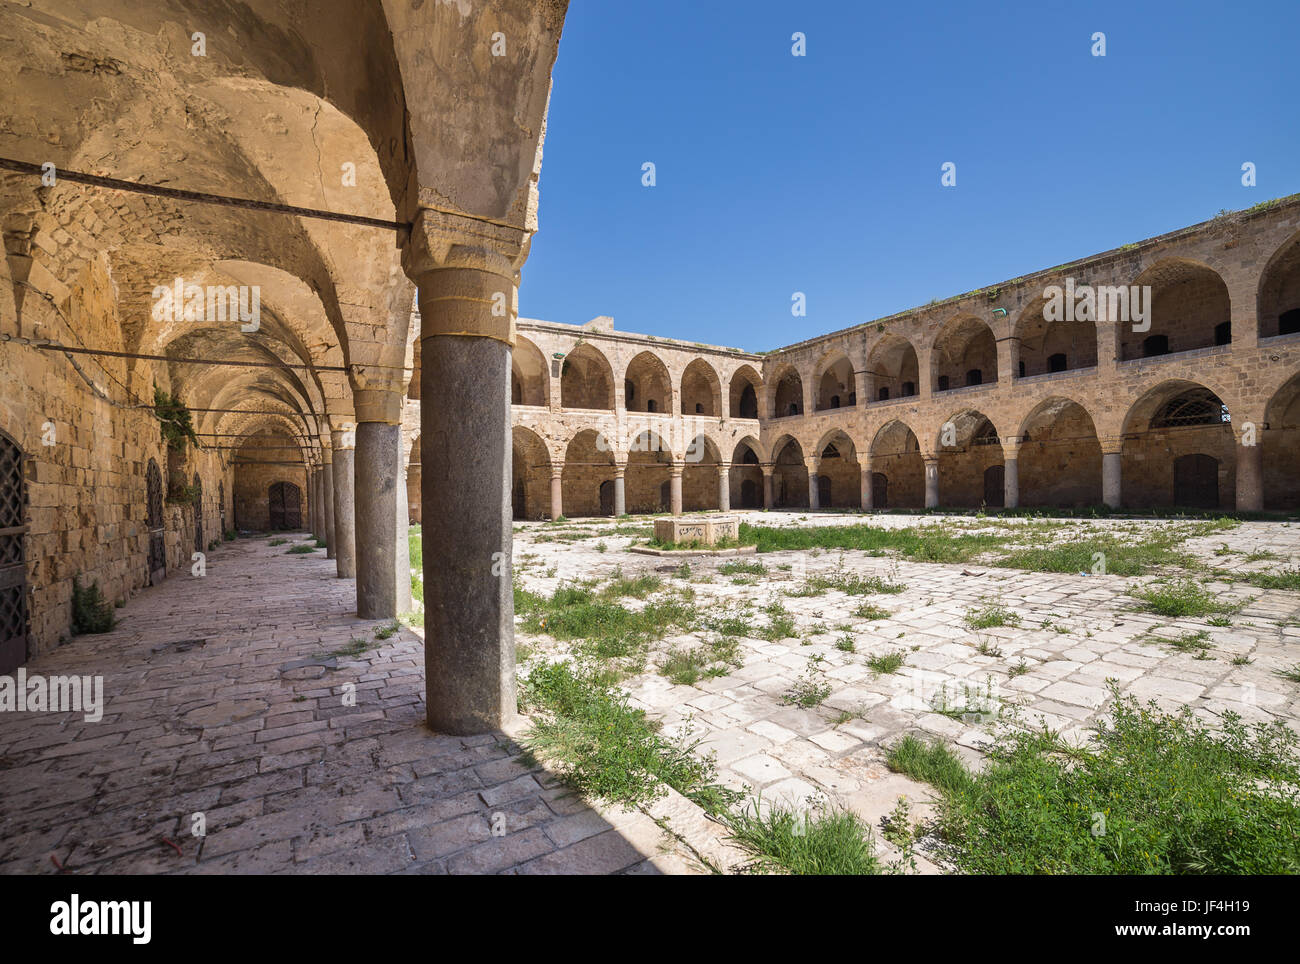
[(821, 174)]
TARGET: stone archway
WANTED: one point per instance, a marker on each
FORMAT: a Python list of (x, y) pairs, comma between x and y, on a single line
[(964, 354), (898, 479), (968, 445), (1059, 456), (1175, 419), (789, 475), (1189, 309)]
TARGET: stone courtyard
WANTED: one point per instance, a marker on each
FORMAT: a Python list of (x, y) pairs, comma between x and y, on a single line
[(289, 778), (260, 317)]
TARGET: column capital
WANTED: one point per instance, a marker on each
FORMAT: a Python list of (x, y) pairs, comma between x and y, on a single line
[(676, 469), (440, 240), (1111, 444), (344, 437), (767, 467), (378, 405), (812, 463)]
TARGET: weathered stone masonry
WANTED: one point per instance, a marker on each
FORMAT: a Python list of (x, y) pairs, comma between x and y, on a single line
[(976, 400)]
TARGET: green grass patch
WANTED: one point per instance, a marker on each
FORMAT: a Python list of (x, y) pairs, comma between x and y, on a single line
[(300, 550), (886, 663), (737, 568), (1178, 599), (603, 748), (1155, 793), (991, 615), (829, 841)]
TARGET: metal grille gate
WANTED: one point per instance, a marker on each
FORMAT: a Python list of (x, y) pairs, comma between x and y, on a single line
[(13, 559)]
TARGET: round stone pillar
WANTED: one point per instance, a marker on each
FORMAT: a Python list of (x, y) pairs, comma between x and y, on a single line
[(1111, 463), (378, 465), (1250, 477), (814, 490), (465, 444), (767, 487), (866, 486), (931, 483), (402, 548), (620, 491), (675, 488), (724, 490), (327, 504), (557, 496), (345, 531), (1011, 483)]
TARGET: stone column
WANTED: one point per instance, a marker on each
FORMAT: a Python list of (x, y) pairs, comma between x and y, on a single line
[(1011, 482), (620, 490), (466, 272), (1250, 477), (724, 490), (675, 487), (1111, 484), (327, 504), (402, 548), (345, 531), (931, 482), (557, 495), (378, 464), (866, 485), (318, 505), (767, 486), (313, 502), (814, 490)]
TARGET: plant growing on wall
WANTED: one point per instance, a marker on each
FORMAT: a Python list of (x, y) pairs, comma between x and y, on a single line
[(175, 421)]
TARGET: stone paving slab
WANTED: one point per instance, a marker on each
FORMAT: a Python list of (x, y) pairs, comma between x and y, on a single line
[(250, 729), (1075, 633)]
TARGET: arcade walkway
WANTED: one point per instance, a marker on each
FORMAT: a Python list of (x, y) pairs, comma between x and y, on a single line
[(222, 699)]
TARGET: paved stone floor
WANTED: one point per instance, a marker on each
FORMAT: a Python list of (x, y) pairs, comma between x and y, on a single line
[(222, 702), (1075, 632)]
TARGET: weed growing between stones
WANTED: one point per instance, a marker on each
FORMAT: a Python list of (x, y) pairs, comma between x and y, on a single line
[(1180, 598)]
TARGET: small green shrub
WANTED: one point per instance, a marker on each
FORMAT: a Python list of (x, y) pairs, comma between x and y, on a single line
[(91, 612)]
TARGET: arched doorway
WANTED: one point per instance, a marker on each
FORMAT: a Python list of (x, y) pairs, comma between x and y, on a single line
[(1174, 420), (157, 538), (285, 505), (968, 445), (995, 491), (879, 490), (13, 556), (1196, 481), (1059, 456), (789, 476), (530, 481), (898, 479), (964, 353), (746, 476), (745, 386), (1189, 309), (787, 394)]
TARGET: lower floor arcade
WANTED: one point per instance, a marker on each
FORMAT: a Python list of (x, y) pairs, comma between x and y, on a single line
[(1177, 448)]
